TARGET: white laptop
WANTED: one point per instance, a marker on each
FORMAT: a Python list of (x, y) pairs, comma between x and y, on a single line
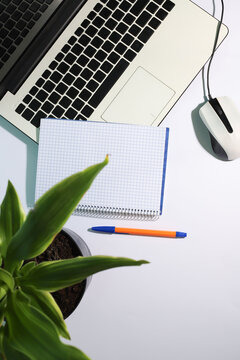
[(124, 61)]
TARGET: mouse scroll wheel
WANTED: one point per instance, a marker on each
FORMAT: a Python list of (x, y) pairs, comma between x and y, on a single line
[(217, 107)]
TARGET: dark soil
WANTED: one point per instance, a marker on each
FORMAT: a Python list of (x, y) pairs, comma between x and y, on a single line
[(63, 247)]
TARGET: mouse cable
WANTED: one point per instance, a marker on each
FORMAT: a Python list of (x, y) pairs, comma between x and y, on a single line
[(214, 49)]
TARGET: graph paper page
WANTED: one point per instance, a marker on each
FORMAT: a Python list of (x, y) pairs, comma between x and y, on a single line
[(134, 176)]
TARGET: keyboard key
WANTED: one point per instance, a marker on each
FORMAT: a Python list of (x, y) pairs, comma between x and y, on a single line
[(137, 46), (90, 51), (54, 97), (63, 68), (46, 74), (87, 111), (56, 77), (106, 66), (33, 90), (104, 33), (99, 76), (78, 104), (159, 2), (79, 31), (65, 102), (20, 108), (37, 118), (97, 7), (115, 37), (98, 21), (168, 5), (94, 64), (118, 15), (75, 70), (83, 60), (92, 85), (42, 95), (108, 83), (138, 7), (85, 23), (135, 30), (61, 88), (53, 65), (154, 23), (120, 48), (129, 19), (70, 59), (27, 114), (84, 40), (86, 74), (34, 105), (91, 15), (112, 4), (91, 30), (113, 57), (161, 14), (122, 28), (111, 24), (125, 5), (68, 79), (49, 86), (152, 7), (85, 95), (145, 34), (105, 13), (127, 39), (58, 111), (79, 83), (72, 92), (108, 46), (77, 49), (129, 55), (97, 41), (27, 99), (40, 82), (71, 114), (47, 106), (101, 55), (143, 18)]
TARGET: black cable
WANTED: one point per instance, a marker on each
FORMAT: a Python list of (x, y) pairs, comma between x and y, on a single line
[(214, 48)]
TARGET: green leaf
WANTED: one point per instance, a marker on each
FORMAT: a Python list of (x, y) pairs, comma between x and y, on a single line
[(73, 353), (10, 352), (49, 215), (46, 303), (55, 275), (33, 333), (6, 278), (27, 267), (12, 217)]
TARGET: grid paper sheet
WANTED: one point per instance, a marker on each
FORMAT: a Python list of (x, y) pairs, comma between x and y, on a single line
[(131, 183)]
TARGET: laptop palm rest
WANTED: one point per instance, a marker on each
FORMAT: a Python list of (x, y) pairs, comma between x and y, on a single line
[(140, 101)]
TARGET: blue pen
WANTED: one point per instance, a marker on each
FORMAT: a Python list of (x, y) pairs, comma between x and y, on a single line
[(145, 232)]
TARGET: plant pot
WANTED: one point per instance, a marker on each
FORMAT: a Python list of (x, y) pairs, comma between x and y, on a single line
[(66, 245)]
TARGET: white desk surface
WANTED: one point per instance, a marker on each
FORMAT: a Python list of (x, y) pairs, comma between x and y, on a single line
[(185, 305)]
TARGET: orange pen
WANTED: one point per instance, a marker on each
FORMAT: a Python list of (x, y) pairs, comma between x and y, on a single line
[(144, 232)]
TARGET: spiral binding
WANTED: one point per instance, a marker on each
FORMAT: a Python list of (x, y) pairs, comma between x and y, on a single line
[(112, 212)]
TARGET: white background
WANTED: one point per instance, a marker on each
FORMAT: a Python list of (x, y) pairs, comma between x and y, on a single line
[(185, 305)]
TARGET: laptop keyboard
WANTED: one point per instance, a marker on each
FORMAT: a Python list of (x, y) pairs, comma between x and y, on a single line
[(17, 18), (93, 59)]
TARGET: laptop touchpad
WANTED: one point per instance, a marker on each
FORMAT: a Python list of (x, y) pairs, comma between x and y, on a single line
[(140, 101)]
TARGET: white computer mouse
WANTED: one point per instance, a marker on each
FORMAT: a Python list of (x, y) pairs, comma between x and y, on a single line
[(222, 119)]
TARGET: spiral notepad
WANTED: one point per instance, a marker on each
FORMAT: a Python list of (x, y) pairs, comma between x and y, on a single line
[(131, 185)]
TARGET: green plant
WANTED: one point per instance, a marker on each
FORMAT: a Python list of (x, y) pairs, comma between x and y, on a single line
[(31, 323)]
